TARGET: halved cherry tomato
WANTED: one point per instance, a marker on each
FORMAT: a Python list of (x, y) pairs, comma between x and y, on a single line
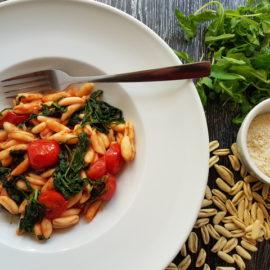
[(114, 159), (43, 153), (111, 188), (55, 203), (98, 169), (13, 118)]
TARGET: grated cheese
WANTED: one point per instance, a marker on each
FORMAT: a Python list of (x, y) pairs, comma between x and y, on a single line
[(258, 142)]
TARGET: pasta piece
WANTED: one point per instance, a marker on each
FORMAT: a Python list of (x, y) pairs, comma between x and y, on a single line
[(42, 118), (34, 122), (3, 135), (35, 181), (55, 96), (46, 228), (72, 201), (104, 138), (89, 156), (55, 126), (92, 210), (10, 127), (45, 133), (9, 204), (21, 168), (71, 212), (38, 231), (5, 153), (48, 185), (38, 128), (21, 184), (4, 192), (21, 136), (26, 97), (97, 143), (48, 173), (85, 197), (88, 130), (7, 161), (22, 207), (36, 176), (71, 100), (7, 144), (85, 89), (64, 137), (65, 222), (70, 110), (28, 108)]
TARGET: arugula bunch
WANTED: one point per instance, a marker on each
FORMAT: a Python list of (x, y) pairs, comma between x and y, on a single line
[(238, 42)]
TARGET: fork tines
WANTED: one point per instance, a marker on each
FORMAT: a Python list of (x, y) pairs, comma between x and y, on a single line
[(32, 82)]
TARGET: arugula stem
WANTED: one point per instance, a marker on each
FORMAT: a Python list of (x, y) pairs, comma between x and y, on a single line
[(206, 5), (241, 16)]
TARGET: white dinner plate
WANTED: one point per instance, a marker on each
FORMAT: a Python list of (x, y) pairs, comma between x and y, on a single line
[(159, 194)]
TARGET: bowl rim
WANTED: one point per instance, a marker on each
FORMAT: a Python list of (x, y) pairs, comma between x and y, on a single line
[(242, 138)]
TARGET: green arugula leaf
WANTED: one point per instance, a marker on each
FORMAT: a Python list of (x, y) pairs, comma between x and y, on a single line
[(184, 56), (189, 26)]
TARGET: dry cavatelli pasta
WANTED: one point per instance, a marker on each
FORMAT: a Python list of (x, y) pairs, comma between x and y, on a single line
[(60, 155)]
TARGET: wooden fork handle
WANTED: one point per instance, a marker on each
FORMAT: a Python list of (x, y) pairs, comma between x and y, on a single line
[(186, 71)]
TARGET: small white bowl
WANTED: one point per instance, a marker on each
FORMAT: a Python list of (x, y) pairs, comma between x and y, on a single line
[(246, 159)]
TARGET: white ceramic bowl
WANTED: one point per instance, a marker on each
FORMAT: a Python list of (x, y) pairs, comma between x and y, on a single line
[(263, 107)]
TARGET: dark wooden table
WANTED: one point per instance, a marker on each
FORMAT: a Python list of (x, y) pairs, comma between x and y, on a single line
[(159, 16)]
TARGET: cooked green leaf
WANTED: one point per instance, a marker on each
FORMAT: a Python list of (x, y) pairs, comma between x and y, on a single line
[(34, 212), (100, 114), (15, 193), (53, 110), (67, 178)]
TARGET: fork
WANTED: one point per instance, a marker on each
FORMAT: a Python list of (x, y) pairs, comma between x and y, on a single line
[(58, 80)]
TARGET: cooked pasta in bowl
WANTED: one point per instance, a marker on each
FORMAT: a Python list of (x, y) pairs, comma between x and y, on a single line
[(60, 154)]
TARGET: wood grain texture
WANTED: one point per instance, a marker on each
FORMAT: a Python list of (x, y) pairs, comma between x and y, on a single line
[(159, 16)]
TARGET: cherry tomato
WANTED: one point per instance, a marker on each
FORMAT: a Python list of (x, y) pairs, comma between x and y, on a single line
[(55, 203), (114, 159), (111, 188), (43, 153), (13, 118), (98, 169)]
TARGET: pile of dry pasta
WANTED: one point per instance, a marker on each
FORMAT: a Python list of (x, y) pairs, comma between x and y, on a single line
[(234, 216), (60, 154)]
